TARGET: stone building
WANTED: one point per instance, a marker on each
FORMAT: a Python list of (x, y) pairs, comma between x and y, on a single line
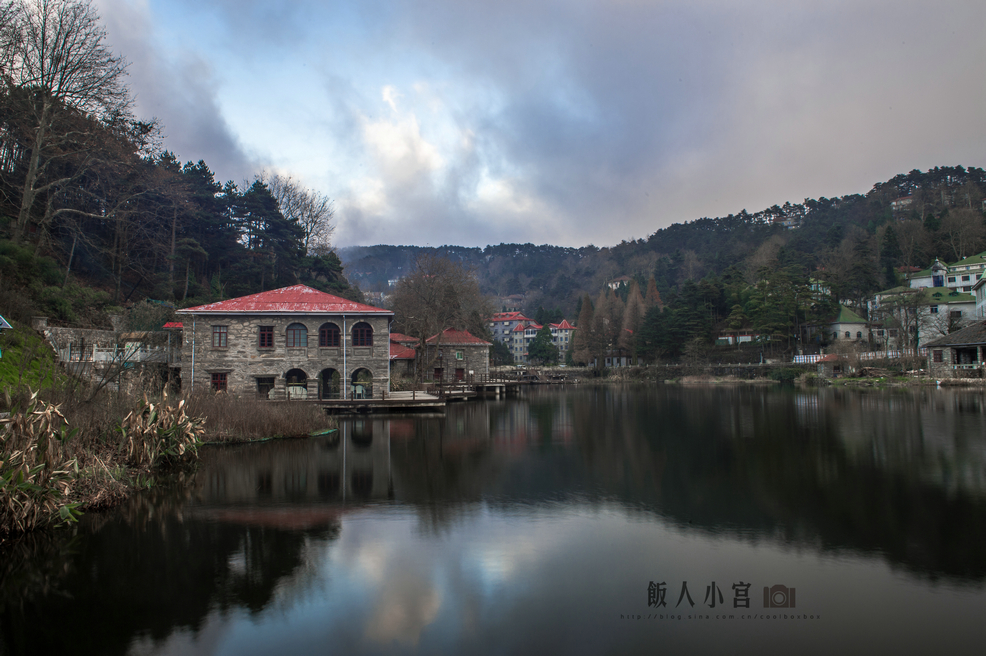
[(457, 355), (959, 354), (294, 342)]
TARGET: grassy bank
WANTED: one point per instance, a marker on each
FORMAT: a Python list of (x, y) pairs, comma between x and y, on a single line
[(58, 460)]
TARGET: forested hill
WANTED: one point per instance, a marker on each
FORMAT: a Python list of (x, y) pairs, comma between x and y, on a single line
[(858, 243), (95, 215)]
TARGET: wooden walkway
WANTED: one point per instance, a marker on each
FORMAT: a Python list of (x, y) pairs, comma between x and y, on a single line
[(433, 398), (414, 401)]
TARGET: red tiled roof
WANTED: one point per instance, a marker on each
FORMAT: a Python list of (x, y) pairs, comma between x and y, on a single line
[(172, 324), (400, 352), (564, 325), (453, 337), (509, 316), (297, 299), (401, 338)]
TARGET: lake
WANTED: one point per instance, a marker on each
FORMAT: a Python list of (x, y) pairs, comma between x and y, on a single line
[(581, 520)]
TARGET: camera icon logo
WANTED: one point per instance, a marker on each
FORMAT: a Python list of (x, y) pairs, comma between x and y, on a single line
[(778, 596)]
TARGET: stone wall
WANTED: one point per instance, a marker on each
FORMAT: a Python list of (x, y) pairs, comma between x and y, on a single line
[(245, 363), (964, 362), (941, 369), (475, 358)]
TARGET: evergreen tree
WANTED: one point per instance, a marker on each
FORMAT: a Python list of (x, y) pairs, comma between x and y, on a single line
[(542, 350)]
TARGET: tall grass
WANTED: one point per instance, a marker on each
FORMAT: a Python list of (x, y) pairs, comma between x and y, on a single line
[(160, 432), (35, 472), (231, 419)]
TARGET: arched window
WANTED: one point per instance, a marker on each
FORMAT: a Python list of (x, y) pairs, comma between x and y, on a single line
[(848, 335), (859, 334), (297, 335), (328, 335), (362, 334)]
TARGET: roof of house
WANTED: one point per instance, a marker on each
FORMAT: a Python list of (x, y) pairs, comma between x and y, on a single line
[(564, 325), (4, 324), (452, 337), (970, 335), (509, 316), (979, 258), (522, 326), (401, 338), (923, 273), (401, 352), (900, 289), (934, 295), (297, 299), (847, 316), (173, 325), (928, 295)]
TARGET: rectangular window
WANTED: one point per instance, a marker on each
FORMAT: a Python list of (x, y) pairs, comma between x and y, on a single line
[(952, 279), (266, 339), (458, 355), (219, 336), (933, 309), (965, 278), (219, 382), (936, 356), (955, 314)]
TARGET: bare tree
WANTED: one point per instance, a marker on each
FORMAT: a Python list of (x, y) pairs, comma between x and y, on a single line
[(963, 229), (914, 242), (60, 71), (311, 209), (899, 314), (764, 256), (437, 295), (10, 35), (633, 317)]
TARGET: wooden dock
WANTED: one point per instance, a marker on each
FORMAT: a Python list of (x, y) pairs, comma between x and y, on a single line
[(413, 401), (435, 395)]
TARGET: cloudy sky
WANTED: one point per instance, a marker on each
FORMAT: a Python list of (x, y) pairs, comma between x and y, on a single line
[(558, 121)]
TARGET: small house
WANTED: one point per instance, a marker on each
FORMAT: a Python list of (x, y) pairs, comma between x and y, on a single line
[(958, 354)]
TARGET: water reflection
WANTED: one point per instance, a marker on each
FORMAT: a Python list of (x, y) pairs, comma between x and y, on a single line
[(464, 531)]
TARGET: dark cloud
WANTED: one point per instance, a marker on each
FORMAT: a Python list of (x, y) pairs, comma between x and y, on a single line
[(586, 121), (628, 116), (179, 91)]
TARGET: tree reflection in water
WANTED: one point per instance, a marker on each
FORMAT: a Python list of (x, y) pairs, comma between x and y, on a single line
[(900, 476)]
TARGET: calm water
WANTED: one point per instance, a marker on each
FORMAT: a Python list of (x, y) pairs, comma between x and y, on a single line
[(553, 523)]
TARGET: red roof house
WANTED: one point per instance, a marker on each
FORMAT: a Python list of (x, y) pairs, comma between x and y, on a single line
[(294, 342), (456, 354)]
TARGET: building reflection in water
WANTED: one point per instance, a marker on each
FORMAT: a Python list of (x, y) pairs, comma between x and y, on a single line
[(351, 464)]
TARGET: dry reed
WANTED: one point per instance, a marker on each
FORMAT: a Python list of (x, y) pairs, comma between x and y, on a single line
[(233, 419)]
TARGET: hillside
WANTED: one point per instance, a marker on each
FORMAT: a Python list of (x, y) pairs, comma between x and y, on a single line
[(856, 243)]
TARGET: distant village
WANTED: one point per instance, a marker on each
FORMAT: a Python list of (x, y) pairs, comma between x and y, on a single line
[(298, 342)]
